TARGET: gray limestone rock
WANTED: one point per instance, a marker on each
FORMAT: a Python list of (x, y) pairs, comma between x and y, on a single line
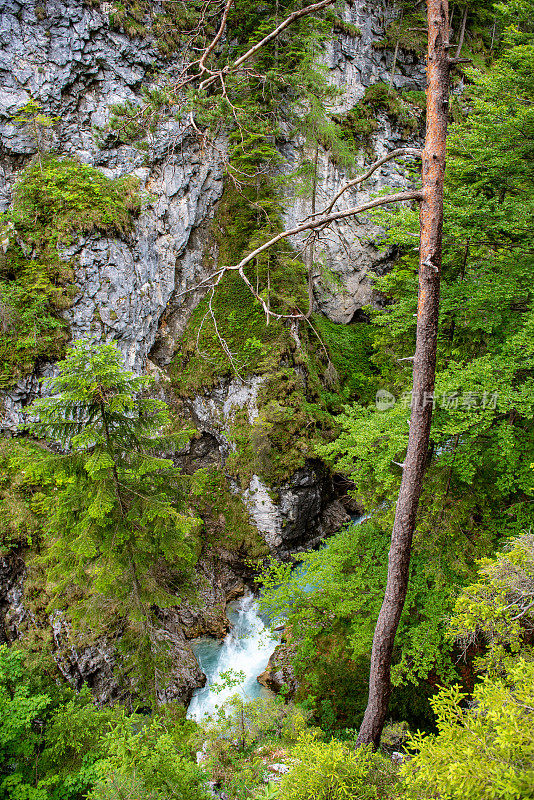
[(94, 664), (85, 664), (342, 283), (302, 513), (139, 290), (12, 611), (65, 56), (279, 674)]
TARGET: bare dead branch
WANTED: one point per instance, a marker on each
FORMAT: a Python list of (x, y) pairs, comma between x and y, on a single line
[(186, 78), (266, 39), (462, 33), (403, 151), (310, 225), (216, 39), (327, 219)]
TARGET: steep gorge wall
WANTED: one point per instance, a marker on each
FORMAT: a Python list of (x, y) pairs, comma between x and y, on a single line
[(66, 56)]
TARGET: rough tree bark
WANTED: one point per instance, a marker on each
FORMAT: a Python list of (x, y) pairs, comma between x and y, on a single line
[(424, 369)]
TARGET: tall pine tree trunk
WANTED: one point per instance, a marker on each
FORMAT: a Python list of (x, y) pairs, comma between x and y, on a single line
[(424, 369)]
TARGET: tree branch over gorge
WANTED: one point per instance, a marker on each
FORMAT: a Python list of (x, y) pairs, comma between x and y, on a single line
[(398, 153), (266, 39), (430, 197), (308, 225), (194, 72)]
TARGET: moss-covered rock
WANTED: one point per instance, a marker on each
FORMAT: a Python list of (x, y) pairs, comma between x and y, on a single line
[(54, 201), (405, 110)]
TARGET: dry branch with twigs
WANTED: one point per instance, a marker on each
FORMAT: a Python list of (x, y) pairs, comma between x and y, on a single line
[(193, 74), (319, 223), (199, 74)]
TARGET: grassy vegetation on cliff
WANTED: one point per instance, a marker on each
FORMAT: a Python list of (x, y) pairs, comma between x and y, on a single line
[(54, 201), (406, 110), (226, 520)]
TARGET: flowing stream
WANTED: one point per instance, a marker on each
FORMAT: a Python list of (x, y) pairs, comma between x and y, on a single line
[(247, 648)]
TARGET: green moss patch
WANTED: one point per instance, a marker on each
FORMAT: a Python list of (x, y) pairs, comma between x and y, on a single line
[(226, 520), (54, 201), (229, 334), (20, 518), (285, 433), (340, 26), (404, 109), (30, 326), (255, 347)]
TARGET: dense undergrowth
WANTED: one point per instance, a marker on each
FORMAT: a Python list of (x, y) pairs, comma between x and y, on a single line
[(110, 559)]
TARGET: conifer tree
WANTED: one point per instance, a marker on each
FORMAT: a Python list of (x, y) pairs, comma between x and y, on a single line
[(118, 531)]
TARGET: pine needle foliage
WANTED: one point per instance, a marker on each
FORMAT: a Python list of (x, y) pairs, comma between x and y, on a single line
[(119, 536)]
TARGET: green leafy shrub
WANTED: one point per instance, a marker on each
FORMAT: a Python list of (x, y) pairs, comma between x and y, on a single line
[(154, 763), (253, 722), (241, 739), (350, 349), (335, 771), (497, 612), (408, 31), (38, 124), (482, 752), (20, 521), (19, 739), (61, 197), (49, 744), (29, 324), (57, 745), (360, 121)]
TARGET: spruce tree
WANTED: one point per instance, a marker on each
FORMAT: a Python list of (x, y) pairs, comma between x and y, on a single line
[(119, 536)]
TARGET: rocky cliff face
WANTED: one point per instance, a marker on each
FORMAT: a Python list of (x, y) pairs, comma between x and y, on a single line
[(67, 56), (12, 611), (350, 254)]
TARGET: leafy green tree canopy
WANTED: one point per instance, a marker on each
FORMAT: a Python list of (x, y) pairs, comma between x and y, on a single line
[(483, 752)]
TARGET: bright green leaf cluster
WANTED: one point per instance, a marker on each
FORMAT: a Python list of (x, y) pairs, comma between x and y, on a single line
[(481, 752)]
